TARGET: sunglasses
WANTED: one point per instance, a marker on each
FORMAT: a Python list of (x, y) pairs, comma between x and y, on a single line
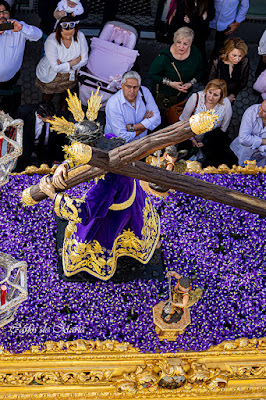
[(69, 25)]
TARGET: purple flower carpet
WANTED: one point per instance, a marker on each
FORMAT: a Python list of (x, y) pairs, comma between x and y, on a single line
[(221, 247)]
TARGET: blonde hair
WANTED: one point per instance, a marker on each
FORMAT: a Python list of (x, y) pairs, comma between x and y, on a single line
[(183, 32), (217, 84), (230, 45)]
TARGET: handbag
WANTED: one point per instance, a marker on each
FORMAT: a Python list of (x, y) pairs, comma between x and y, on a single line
[(173, 113)]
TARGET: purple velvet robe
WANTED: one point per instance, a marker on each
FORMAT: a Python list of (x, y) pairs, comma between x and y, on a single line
[(114, 218)]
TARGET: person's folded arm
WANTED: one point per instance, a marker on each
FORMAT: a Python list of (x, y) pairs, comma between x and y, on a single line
[(117, 123), (154, 121), (51, 52), (84, 52)]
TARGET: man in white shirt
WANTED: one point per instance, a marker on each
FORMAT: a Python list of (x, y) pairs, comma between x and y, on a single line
[(228, 16), (251, 141), (12, 45), (132, 111)]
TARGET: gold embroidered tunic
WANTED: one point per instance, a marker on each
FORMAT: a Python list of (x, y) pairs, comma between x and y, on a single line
[(114, 218)]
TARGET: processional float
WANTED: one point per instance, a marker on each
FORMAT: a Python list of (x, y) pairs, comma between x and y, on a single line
[(108, 369), (124, 160)]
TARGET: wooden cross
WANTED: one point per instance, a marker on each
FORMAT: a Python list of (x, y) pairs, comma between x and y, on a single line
[(123, 160)]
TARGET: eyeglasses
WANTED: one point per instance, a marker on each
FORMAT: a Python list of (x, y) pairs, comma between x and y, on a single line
[(69, 25), (131, 87), (4, 12)]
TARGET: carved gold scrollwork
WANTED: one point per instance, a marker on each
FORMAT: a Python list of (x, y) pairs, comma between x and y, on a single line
[(241, 344), (80, 345), (200, 374), (119, 371), (17, 379), (144, 377), (171, 374), (55, 378), (251, 371)]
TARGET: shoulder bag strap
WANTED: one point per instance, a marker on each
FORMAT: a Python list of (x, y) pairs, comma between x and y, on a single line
[(173, 64), (143, 97), (176, 70)]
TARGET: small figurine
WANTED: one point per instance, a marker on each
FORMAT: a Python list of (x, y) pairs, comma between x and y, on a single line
[(172, 161), (180, 297), (171, 317)]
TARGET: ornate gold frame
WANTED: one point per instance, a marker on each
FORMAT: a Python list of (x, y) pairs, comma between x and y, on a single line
[(110, 370)]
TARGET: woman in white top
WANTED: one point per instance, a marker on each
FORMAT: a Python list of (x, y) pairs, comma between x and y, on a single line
[(66, 50), (212, 146)]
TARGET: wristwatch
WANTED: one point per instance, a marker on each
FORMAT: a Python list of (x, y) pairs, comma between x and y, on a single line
[(131, 129)]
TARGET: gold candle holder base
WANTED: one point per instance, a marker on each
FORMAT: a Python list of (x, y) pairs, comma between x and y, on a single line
[(169, 331)]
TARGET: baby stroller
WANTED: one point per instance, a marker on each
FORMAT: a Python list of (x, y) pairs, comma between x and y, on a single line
[(112, 54)]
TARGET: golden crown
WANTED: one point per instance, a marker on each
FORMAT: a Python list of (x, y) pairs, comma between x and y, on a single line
[(203, 121), (61, 125)]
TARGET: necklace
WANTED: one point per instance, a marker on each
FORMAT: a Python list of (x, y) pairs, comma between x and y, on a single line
[(133, 103)]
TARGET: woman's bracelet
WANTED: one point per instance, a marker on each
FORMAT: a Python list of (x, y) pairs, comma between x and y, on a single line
[(193, 81), (166, 81)]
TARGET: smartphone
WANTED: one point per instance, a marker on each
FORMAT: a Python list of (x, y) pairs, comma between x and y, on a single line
[(6, 26)]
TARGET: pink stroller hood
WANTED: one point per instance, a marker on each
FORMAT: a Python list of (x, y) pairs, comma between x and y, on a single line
[(122, 34), (107, 59)]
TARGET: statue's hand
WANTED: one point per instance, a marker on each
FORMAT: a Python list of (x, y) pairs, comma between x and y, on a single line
[(60, 176), (47, 187)]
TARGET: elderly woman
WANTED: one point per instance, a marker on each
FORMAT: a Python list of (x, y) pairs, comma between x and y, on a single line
[(66, 50), (176, 69), (232, 66), (213, 146)]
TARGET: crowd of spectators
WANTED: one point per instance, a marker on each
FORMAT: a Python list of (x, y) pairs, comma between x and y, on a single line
[(134, 111)]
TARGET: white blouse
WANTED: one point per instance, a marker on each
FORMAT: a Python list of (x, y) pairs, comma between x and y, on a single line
[(48, 68), (224, 111)]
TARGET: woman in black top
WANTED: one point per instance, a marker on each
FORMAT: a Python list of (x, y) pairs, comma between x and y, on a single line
[(195, 14), (232, 66)]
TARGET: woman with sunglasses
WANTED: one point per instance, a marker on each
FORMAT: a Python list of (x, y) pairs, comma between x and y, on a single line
[(66, 50)]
